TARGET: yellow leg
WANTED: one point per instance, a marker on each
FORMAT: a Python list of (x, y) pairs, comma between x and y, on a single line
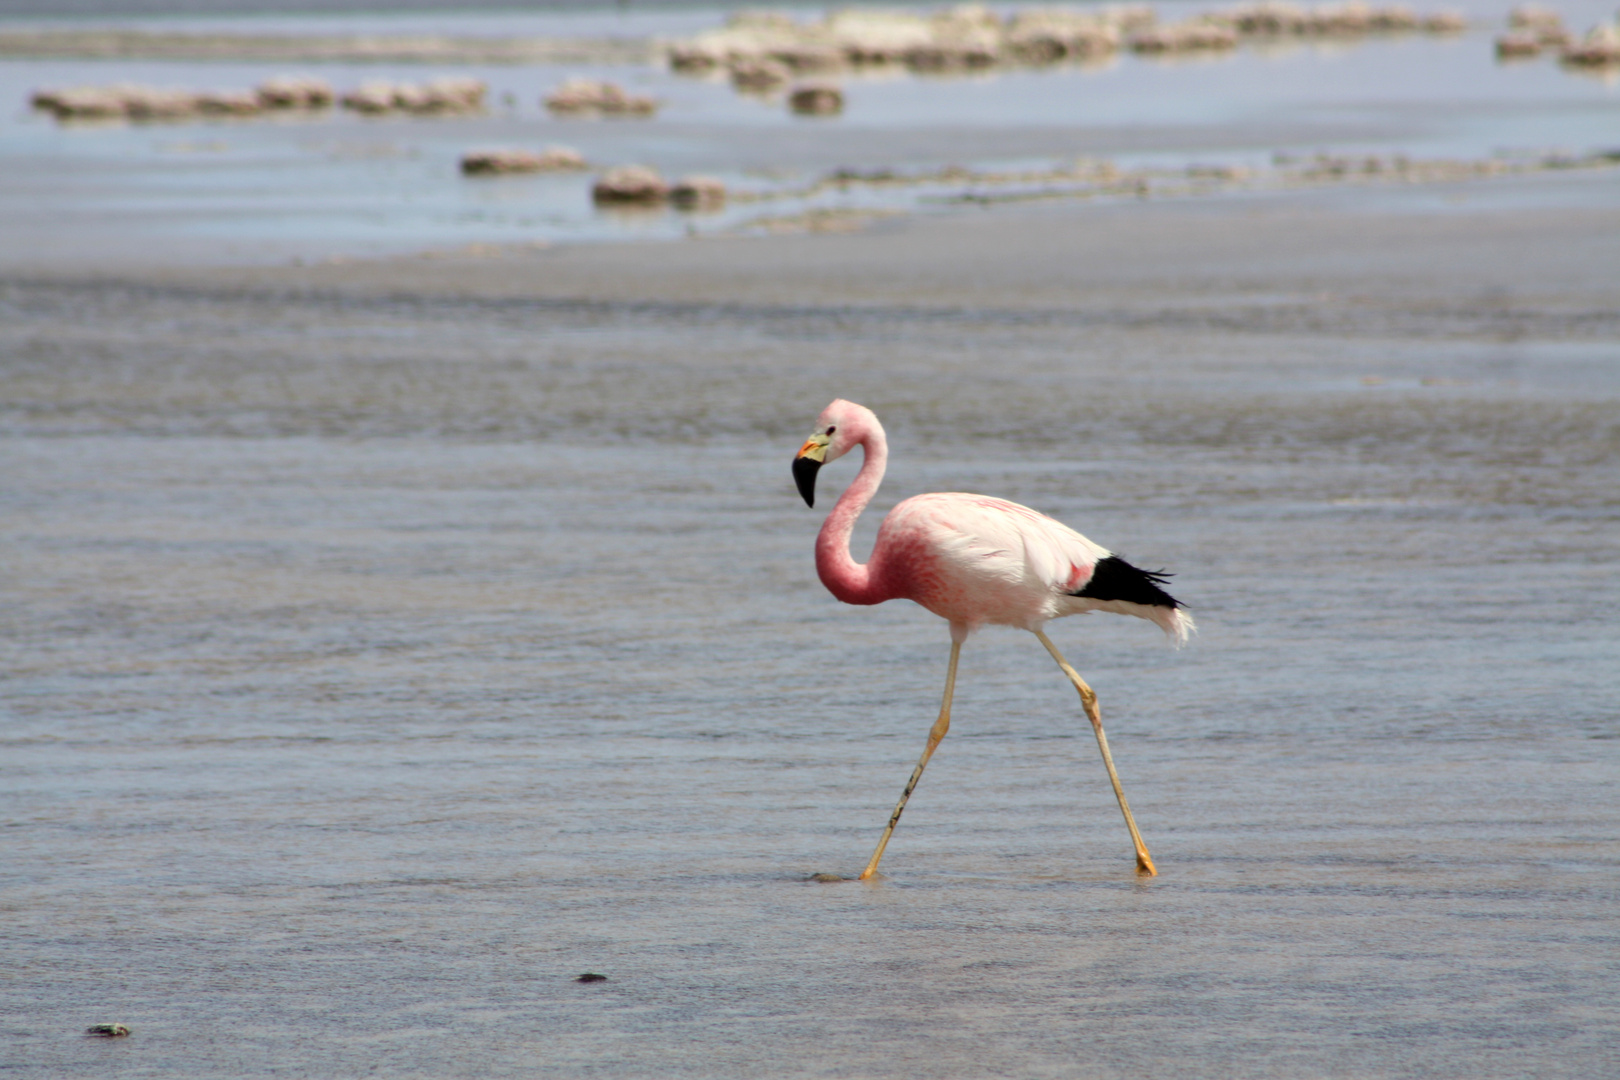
[(935, 734), (1088, 699)]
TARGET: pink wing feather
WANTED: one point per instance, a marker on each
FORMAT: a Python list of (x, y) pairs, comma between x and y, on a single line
[(972, 558)]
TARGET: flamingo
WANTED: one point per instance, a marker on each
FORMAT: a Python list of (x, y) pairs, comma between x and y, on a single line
[(973, 560)]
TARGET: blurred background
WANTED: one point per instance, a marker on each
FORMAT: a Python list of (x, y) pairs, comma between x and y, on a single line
[(941, 108)]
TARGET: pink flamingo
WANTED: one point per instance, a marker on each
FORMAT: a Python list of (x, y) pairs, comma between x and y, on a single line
[(972, 560)]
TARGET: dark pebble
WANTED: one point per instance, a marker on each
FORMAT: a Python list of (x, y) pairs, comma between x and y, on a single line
[(591, 976), (107, 1031)]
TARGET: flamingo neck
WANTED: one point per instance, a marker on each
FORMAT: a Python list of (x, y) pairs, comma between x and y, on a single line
[(848, 580)]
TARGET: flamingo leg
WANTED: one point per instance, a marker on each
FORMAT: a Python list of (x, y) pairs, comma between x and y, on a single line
[(935, 734), (1088, 699)]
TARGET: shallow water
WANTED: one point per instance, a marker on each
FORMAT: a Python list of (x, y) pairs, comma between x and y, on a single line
[(378, 662)]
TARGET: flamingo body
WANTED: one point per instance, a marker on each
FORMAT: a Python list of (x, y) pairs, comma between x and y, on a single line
[(972, 560)]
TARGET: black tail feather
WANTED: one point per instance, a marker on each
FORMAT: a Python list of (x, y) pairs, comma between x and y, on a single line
[(1115, 579)]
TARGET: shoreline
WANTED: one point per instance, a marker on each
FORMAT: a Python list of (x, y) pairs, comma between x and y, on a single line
[(1434, 260), (1491, 193)]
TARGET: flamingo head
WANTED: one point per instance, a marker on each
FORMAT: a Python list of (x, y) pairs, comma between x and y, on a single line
[(841, 426)]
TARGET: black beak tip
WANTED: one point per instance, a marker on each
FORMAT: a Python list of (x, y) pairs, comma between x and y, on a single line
[(804, 475)]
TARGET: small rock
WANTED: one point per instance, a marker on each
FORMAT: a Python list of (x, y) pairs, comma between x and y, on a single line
[(453, 95), (295, 92), (228, 102), (1093, 41), (630, 184), (551, 159), (1037, 45), (411, 98), (561, 159), (589, 95), (824, 878), (372, 97), (1186, 37), (591, 976), (1518, 44), (694, 57), (816, 99), (954, 53), (1599, 48), (1268, 18), (107, 1031), (152, 104), (758, 74), (83, 103), (437, 96), (698, 193), (574, 95)]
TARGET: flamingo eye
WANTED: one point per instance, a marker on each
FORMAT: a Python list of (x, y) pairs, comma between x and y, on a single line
[(831, 430)]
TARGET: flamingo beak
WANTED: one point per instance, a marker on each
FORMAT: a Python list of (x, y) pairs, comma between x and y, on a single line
[(807, 463)]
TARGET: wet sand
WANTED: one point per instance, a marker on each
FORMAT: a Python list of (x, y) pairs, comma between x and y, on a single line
[(388, 643), (1552, 238)]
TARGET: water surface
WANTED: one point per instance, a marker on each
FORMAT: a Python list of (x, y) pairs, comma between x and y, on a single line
[(379, 660)]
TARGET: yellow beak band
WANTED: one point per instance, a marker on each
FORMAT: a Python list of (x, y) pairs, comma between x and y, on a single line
[(815, 448)]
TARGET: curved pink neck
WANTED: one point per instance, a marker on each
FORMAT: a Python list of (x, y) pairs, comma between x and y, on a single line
[(848, 580)]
